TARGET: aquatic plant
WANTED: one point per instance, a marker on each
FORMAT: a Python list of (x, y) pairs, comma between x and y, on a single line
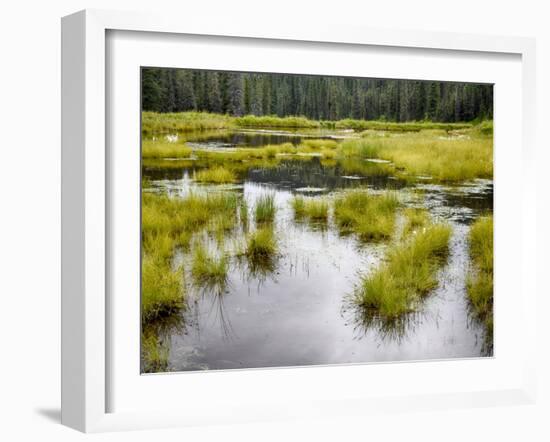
[(315, 209), (480, 282), (208, 270), (218, 175), (408, 274), (161, 149), (265, 208), (162, 289), (261, 245), (371, 217), (154, 353), (243, 213)]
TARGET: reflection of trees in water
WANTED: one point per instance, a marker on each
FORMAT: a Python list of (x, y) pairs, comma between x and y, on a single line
[(314, 173)]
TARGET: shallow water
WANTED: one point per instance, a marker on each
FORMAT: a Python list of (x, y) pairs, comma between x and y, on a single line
[(298, 311)]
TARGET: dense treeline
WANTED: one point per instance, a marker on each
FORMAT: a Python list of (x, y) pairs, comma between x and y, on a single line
[(315, 97)]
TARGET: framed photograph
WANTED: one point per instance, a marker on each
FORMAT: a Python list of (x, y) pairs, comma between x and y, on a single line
[(276, 223)]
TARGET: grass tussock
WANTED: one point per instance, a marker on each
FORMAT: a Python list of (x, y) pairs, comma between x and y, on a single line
[(161, 149), (480, 282), (261, 245), (408, 274), (154, 353), (313, 209), (264, 212), (162, 289), (208, 270), (370, 217), (217, 174)]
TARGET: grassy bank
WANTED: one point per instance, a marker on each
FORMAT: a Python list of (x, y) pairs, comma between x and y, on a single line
[(408, 273), (161, 123), (441, 158), (193, 121), (480, 281)]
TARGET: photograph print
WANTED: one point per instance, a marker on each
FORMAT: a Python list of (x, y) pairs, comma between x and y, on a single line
[(299, 220)]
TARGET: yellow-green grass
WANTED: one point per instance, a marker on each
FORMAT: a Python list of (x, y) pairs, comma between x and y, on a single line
[(161, 149), (442, 158), (208, 270), (370, 217), (410, 126), (415, 219), (216, 174), (153, 122), (168, 223), (480, 282), (154, 353), (264, 212), (320, 143), (274, 121), (314, 209), (261, 245), (174, 215), (408, 274), (162, 289)]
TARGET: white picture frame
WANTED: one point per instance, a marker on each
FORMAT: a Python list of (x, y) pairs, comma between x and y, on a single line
[(86, 204)]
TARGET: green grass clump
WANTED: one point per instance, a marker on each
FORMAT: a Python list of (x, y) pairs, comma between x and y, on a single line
[(264, 212), (154, 354), (371, 217), (174, 215), (480, 283), (408, 274), (218, 175), (314, 209), (160, 149), (261, 245), (162, 289), (274, 121), (208, 270)]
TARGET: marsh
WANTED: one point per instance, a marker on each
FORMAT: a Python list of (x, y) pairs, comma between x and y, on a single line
[(270, 237)]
